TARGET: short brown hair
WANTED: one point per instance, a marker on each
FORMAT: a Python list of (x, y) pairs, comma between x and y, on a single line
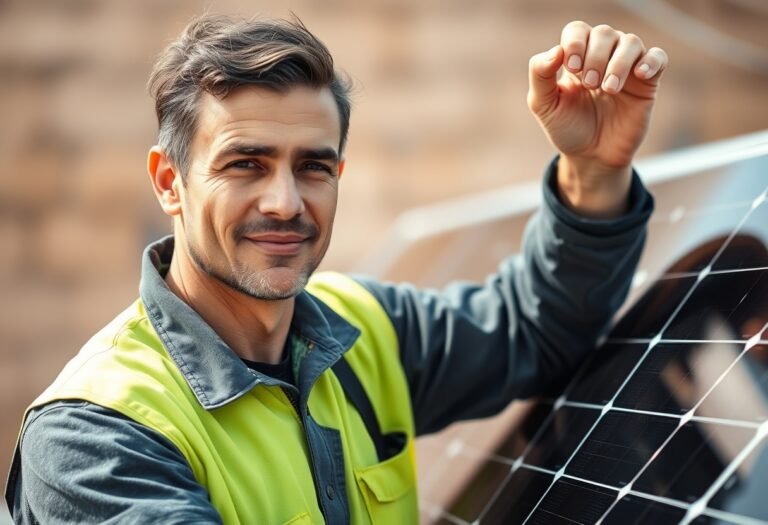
[(216, 54)]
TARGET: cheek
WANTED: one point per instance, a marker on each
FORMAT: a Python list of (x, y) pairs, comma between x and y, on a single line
[(212, 216), (322, 203)]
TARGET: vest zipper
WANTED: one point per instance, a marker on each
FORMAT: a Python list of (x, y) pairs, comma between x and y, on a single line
[(294, 402)]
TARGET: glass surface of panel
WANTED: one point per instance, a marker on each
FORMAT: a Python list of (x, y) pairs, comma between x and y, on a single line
[(517, 441), (649, 315), (746, 490), (669, 379), (747, 382), (518, 497), (687, 344), (570, 501), (560, 437), (692, 460), (619, 446), (747, 249), (737, 300), (605, 373), (634, 510)]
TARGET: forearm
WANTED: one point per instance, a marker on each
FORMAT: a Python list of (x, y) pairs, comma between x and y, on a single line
[(470, 349)]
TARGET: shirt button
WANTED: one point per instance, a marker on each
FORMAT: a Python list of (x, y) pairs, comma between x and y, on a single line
[(329, 491)]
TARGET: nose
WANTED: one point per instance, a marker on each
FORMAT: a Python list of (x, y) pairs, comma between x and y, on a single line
[(281, 198)]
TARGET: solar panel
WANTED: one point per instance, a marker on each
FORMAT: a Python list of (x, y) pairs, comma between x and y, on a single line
[(667, 421)]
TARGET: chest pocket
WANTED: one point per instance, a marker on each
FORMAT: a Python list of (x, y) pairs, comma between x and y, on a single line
[(389, 487)]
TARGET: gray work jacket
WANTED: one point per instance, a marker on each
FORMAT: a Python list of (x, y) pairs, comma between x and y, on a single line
[(467, 351)]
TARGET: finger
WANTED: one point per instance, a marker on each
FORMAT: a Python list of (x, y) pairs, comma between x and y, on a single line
[(573, 39), (629, 49), (652, 64), (602, 40), (542, 77)]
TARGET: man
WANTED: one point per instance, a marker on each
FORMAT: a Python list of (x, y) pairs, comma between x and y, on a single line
[(231, 393)]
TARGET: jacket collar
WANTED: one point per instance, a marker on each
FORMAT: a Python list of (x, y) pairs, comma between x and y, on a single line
[(213, 371)]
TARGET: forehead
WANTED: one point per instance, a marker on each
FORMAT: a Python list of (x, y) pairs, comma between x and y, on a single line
[(296, 118)]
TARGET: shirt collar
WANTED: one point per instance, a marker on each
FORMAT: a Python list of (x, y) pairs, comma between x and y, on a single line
[(213, 371)]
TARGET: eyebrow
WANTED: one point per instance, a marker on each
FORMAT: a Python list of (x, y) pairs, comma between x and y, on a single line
[(261, 150)]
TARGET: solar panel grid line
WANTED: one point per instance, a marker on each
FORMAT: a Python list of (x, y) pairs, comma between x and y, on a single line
[(725, 421), (609, 405), (520, 461), (628, 340), (645, 466), (760, 434), (603, 409), (755, 203), (738, 270), (729, 517), (660, 499), (716, 463), (560, 472), (688, 416)]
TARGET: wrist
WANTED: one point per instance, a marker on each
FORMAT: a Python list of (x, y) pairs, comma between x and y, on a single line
[(592, 189)]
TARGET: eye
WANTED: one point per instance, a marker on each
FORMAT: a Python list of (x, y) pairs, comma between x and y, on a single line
[(316, 166), (243, 164)]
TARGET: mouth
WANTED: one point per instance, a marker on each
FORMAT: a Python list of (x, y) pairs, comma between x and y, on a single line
[(280, 244)]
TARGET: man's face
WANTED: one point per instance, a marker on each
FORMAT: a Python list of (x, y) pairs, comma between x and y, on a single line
[(261, 192)]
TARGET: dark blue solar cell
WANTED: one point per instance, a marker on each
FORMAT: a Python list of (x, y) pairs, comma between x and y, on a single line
[(634, 510), (518, 497), (734, 303), (619, 446), (669, 380), (692, 460), (570, 501)]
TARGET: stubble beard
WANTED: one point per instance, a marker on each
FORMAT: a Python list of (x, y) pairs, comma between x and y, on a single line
[(256, 284)]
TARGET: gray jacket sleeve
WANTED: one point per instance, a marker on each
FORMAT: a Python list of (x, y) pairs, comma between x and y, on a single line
[(88, 464), (468, 350)]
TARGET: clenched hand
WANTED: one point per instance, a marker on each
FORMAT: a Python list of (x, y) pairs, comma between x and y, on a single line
[(596, 113)]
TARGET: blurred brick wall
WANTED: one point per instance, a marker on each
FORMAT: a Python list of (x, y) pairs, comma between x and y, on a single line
[(439, 112)]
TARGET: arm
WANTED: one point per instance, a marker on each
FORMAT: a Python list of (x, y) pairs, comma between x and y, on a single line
[(468, 350), (81, 463)]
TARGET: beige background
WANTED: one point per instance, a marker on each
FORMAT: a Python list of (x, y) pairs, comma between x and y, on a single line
[(439, 111)]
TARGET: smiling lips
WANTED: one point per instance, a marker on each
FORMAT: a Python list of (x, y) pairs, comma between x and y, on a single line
[(278, 243)]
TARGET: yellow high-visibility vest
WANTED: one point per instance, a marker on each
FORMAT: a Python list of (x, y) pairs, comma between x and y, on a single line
[(251, 454)]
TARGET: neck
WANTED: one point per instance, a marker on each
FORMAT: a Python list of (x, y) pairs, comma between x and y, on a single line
[(254, 329)]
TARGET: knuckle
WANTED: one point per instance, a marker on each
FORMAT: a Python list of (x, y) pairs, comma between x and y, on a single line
[(578, 25), (632, 39), (603, 30)]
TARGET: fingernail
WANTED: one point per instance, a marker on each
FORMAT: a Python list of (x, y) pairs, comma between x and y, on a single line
[(611, 83), (574, 62), (644, 70), (591, 78)]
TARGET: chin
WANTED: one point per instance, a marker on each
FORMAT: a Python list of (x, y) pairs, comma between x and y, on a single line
[(273, 284)]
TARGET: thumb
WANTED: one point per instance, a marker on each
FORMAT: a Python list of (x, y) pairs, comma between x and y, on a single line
[(543, 90)]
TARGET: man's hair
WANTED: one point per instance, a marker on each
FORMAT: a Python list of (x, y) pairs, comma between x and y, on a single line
[(216, 54)]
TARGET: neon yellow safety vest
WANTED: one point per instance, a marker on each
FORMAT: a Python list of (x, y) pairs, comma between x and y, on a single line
[(251, 454)]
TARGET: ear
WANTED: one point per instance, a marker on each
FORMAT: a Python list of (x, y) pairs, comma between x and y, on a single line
[(342, 163), (165, 181)]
